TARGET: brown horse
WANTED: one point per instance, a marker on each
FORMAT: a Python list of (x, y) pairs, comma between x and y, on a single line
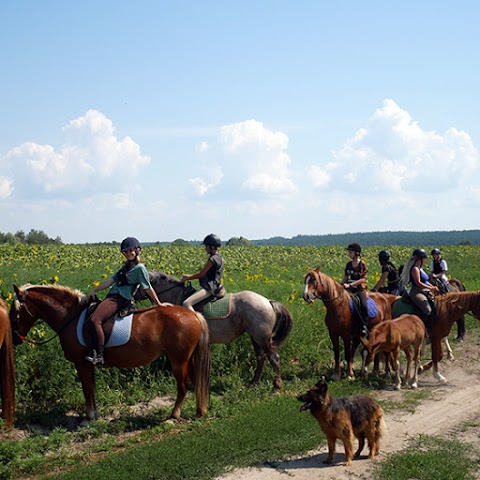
[(339, 319), (7, 367), (455, 286), (450, 307), (391, 336), (178, 332), (267, 322)]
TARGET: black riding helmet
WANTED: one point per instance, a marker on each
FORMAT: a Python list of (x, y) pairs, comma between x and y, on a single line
[(355, 247), (435, 251), (128, 243), (420, 253), (384, 256), (212, 240)]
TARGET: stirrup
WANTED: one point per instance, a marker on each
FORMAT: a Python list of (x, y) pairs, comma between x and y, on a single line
[(95, 358)]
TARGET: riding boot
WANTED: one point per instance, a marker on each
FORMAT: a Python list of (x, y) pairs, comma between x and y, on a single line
[(364, 318)]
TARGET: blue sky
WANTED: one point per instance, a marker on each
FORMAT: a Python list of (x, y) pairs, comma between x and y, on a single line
[(168, 120)]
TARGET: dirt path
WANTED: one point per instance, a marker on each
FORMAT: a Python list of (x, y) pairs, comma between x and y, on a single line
[(443, 413)]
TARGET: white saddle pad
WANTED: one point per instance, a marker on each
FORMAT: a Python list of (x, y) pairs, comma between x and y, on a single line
[(122, 328)]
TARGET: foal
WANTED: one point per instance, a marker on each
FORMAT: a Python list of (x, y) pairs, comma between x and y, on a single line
[(392, 336)]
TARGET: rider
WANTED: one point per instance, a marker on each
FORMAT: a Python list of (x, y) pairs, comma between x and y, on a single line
[(355, 281), (422, 290), (439, 269), (389, 275), (125, 282), (210, 276)]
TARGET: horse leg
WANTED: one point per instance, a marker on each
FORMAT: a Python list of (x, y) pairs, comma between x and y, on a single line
[(448, 348), (274, 359), (261, 355), (86, 375), (337, 373), (396, 365), (416, 352), (437, 355), (350, 348), (180, 372), (461, 328)]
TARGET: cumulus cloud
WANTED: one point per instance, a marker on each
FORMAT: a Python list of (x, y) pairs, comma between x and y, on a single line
[(92, 156), (6, 188), (393, 153), (253, 158)]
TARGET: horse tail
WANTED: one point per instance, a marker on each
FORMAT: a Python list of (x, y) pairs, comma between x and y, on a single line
[(7, 376), (283, 324), (201, 367)]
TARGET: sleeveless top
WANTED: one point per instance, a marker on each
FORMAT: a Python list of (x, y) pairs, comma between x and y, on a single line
[(356, 273), (393, 278), (423, 277), (213, 278)]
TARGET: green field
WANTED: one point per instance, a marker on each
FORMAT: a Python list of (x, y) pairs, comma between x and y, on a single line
[(48, 390)]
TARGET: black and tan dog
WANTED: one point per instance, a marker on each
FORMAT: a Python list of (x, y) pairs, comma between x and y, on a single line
[(345, 418)]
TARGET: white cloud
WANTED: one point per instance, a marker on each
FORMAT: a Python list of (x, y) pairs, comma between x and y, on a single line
[(256, 161), (6, 188), (392, 154), (91, 155)]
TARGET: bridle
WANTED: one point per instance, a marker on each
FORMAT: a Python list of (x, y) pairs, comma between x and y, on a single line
[(18, 304), (318, 281)]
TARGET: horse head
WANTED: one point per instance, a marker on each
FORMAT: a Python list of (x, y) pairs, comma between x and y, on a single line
[(312, 285), (22, 318)]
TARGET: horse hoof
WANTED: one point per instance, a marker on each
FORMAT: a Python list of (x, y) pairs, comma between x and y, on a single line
[(398, 387), (84, 423), (414, 386)]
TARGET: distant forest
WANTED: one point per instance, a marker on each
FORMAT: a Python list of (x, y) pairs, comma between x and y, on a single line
[(454, 237)]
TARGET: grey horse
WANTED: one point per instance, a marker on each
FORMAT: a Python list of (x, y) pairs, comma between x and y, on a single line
[(267, 322)]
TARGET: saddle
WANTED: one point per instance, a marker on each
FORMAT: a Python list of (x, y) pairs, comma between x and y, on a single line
[(88, 330), (218, 294)]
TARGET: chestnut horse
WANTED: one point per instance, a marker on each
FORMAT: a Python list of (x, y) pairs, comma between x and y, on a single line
[(456, 286), (450, 307), (7, 367), (339, 319), (267, 322), (178, 332), (391, 336)]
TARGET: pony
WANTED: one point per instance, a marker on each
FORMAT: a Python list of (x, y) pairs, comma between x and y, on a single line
[(267, 322), (391, 336), (450, 307), (339, 318), (180, 333), (7, 367)]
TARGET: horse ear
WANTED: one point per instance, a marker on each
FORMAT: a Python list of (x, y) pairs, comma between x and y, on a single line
[(318, 269), (17, 291)]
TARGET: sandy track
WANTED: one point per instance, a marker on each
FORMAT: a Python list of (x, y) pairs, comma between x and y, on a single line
[(444, 413)]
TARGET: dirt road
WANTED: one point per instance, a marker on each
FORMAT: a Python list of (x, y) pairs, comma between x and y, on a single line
[(443, 413)]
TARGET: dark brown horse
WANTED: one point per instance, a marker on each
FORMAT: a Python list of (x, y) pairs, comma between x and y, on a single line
[(267, 322), (7, 367), (178, 332), (339, 319), (450, 307)]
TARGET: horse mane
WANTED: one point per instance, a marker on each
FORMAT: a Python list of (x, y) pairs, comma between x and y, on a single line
[(155, 277), (445, 301), (57, 288), (331, 285)]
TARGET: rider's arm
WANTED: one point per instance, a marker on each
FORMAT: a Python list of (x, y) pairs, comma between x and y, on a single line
[(380, 282), (199, 274), (105, 284)]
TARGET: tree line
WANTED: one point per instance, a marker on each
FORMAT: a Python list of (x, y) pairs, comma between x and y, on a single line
[(33, 237)]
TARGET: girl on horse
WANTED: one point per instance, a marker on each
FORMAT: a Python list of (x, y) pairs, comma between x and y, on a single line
[(439, 269), (389, 275), (125, 281), (422, 290), (355, 281), (210, 275)]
